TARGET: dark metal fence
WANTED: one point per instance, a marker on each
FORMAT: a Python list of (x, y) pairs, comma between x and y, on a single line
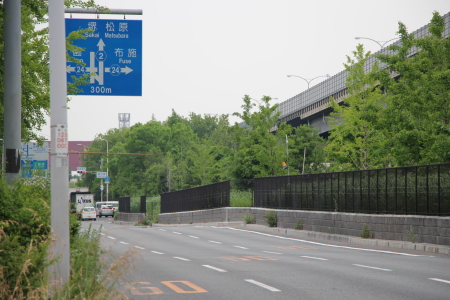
[(204, 197), (143, 204), (124, 204), (422, 190)]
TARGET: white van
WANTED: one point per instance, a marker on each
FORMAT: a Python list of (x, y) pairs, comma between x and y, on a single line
[(88, 213)]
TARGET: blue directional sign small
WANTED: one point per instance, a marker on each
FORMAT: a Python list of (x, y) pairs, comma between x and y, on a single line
[(112, 55)]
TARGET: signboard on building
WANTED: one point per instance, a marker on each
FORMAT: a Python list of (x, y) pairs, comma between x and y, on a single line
[(112, 56)]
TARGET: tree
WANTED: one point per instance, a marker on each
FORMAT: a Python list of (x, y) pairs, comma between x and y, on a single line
[(355, 141), (261, 148), (306, 147), (35, 68), (417, 114)]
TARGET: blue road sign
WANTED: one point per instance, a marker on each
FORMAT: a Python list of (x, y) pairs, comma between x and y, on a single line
[(112, 55)]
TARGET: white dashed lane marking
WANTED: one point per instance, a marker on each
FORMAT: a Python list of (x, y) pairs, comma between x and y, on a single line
[(440, 280), (181, 258), (240, 247), (270, 252), (312, 257), (213, 268), (270, 288), (373, 268)]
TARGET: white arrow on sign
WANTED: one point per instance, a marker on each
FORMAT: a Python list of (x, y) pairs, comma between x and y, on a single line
[(70, 69), (101, 45), (125, 70)]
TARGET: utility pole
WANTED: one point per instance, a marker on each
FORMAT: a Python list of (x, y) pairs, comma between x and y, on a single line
[(60, 246)]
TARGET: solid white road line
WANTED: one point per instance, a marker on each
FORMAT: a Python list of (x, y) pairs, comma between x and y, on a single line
[(156, 252), (214, 268), (270, 288), (440, 280), (312, 257), (181, 258), (323, 244), (374, 268)]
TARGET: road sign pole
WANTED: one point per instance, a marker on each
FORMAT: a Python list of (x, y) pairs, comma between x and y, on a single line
[(60, 247), (12, 88)]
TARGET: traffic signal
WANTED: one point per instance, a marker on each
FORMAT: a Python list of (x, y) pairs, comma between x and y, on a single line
[(82, 172)]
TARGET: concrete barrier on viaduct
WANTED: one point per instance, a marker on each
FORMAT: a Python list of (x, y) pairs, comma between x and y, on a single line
[(412, 228)]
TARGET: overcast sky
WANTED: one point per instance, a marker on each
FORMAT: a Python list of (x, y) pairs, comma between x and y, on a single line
[(203, 56)]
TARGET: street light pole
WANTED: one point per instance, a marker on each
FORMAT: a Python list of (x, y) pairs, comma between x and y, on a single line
[(107, 167), (309, 81), (380, 43)]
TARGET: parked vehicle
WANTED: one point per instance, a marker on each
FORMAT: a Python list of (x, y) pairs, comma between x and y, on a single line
[(88, 213), (105, 211)]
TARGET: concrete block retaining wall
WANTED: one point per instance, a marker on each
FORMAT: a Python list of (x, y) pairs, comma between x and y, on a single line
[(419, 229), (131, 217)]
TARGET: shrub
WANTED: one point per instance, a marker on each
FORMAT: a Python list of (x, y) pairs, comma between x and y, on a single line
[(411, 235), (249, 218), (145, 222), (298, 225), (24, 238), (365, 232), (271, 218)]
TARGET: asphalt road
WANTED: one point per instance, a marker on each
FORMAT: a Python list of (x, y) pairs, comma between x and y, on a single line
[(210, 262)]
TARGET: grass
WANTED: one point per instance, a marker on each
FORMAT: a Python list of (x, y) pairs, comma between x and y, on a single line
[(241, 198), (94, 274)]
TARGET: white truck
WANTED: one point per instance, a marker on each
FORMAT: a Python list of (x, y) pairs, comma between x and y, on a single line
[(82, 201)]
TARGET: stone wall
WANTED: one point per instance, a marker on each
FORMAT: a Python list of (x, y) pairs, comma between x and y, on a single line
[(419, 229)]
